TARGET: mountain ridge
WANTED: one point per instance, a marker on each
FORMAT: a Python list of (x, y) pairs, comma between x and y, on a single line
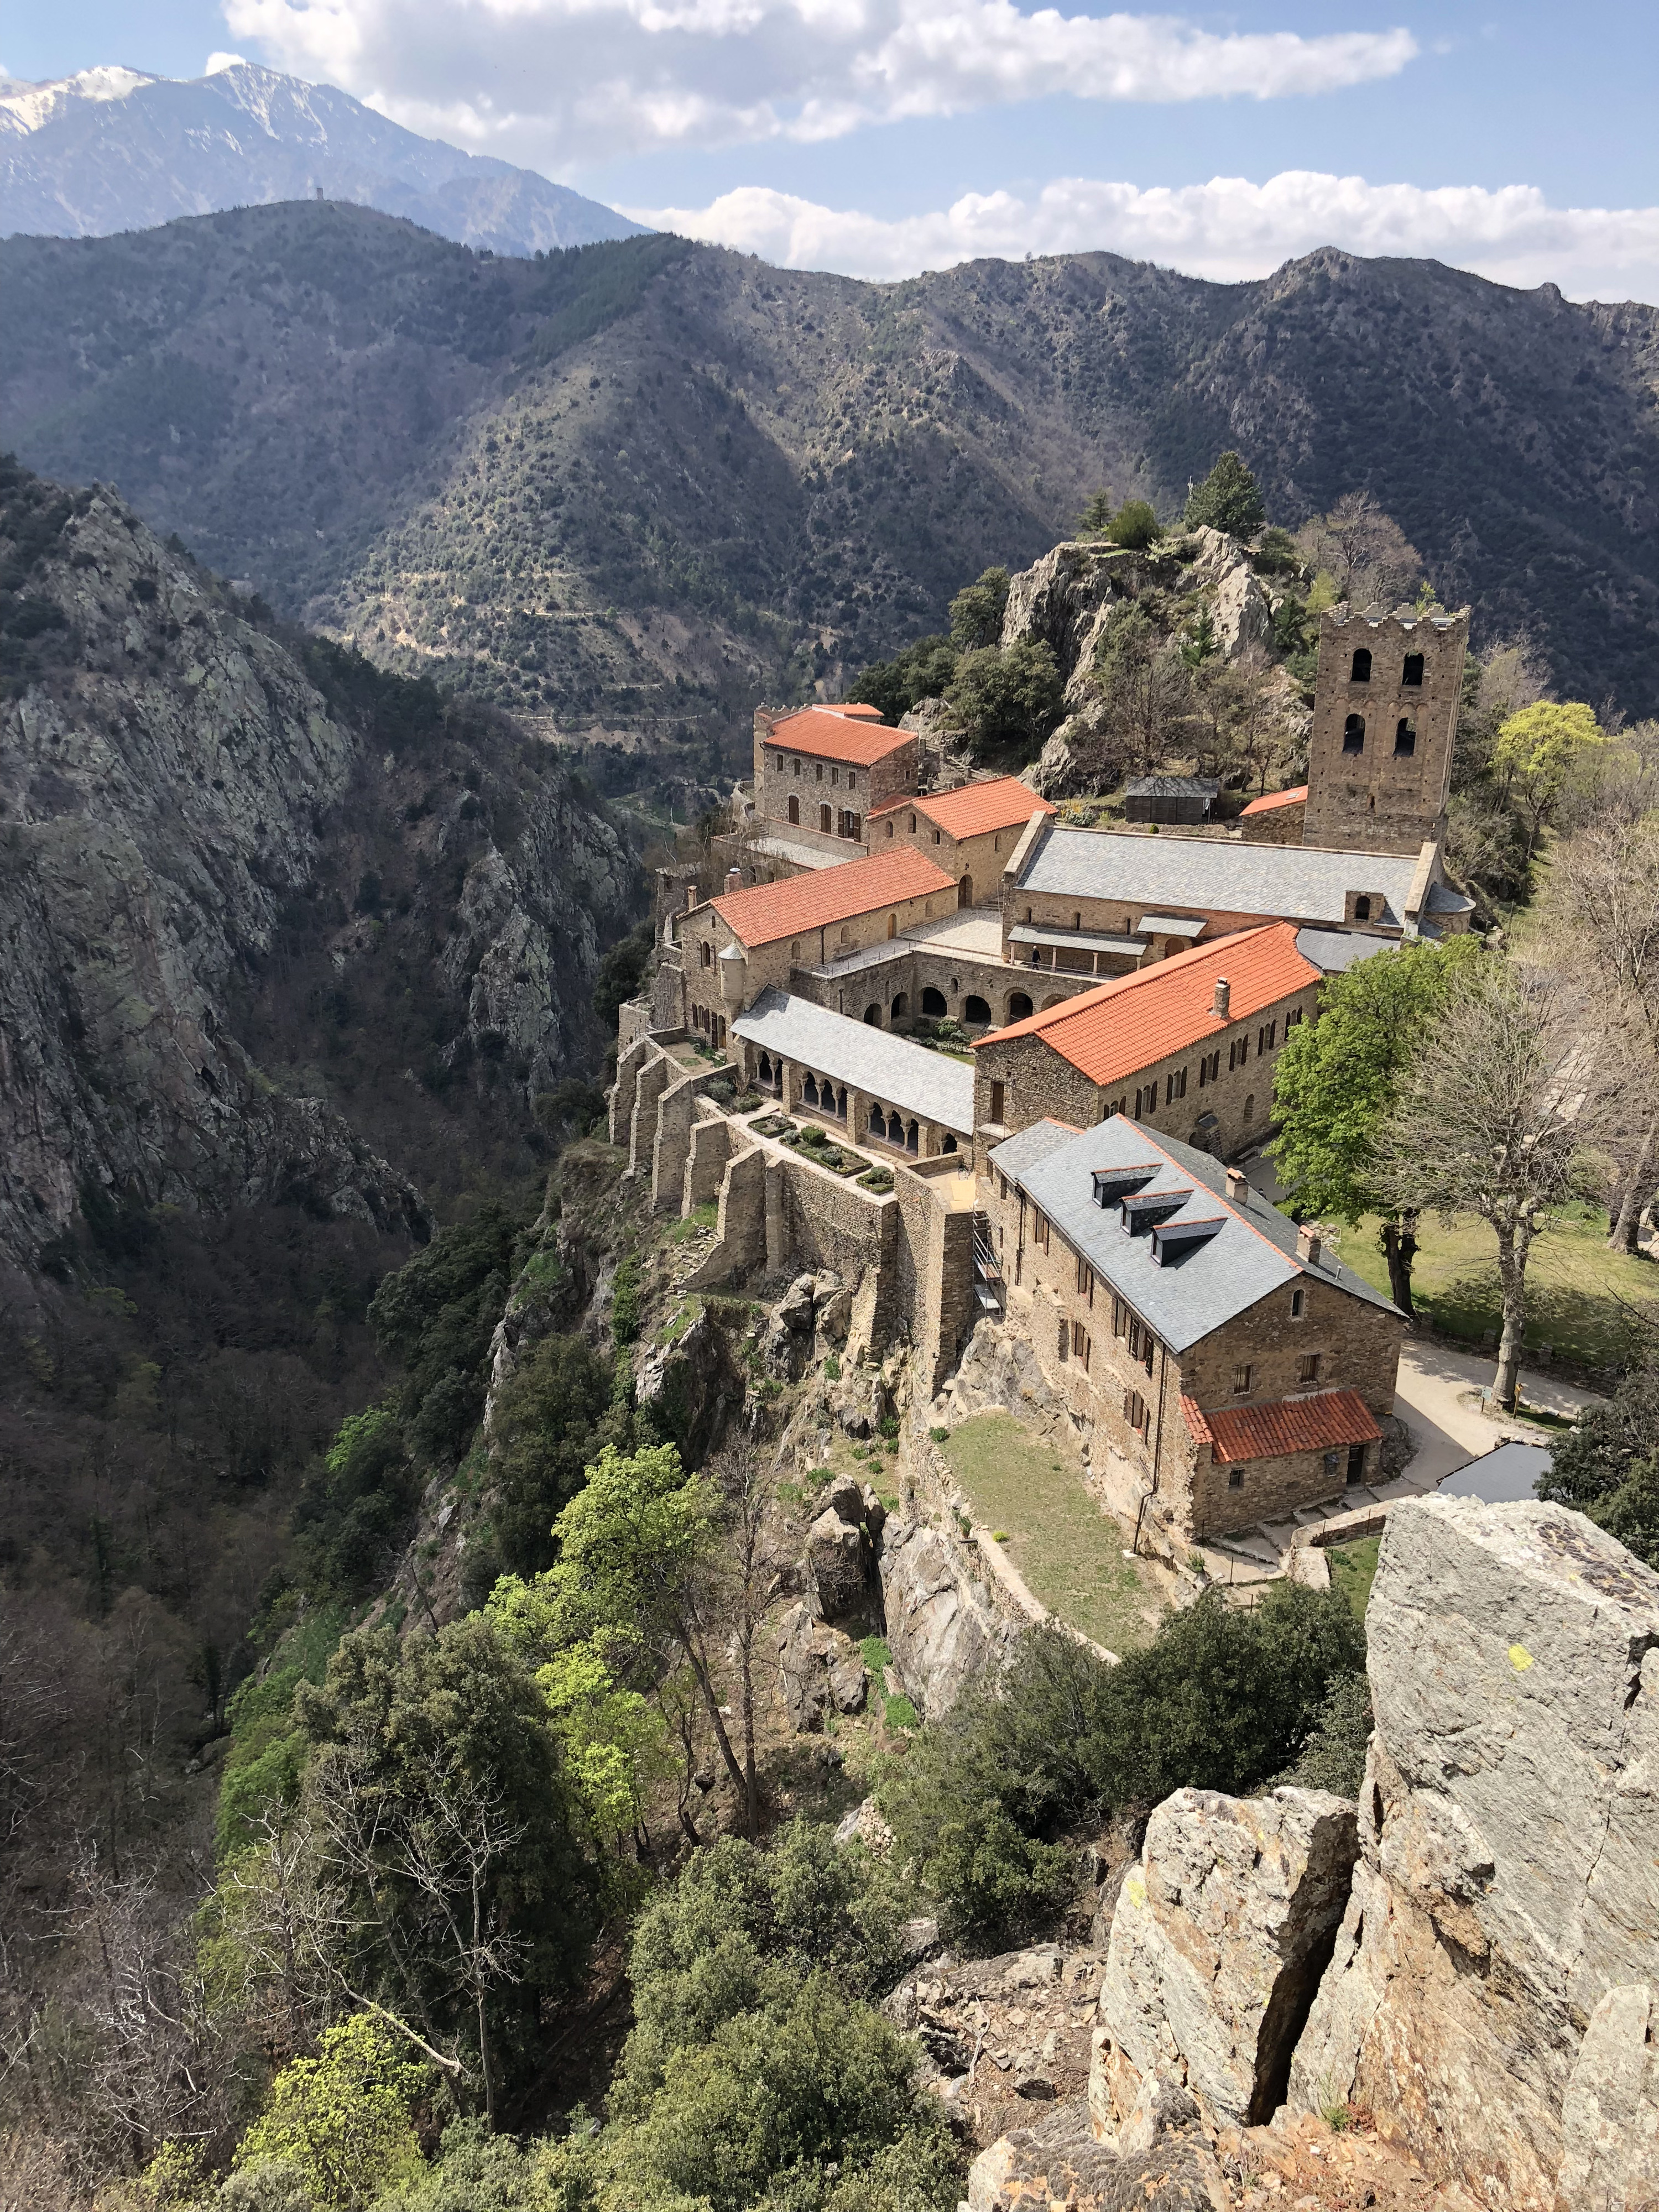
[(112, 149), (634, 488)]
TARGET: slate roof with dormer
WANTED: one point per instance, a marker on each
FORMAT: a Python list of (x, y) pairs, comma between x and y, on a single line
[(1194, 1287), (1289, 883)]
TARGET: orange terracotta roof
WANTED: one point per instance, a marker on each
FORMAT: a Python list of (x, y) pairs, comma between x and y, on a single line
[(973, 809), (1135, 1020), (835, 733), (1277, 798), (766, 912), (1318, 1423)]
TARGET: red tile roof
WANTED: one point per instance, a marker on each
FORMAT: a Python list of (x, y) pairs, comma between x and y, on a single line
[(1277, 798), (766, 912), (839, 733), (1327, 1418), (973, 809), (1135, 1020)]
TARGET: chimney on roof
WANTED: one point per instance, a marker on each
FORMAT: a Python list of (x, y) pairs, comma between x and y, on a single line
[(1223, 998), (1238, 1187), (1307, 1245), (734, 880), (691, 896)]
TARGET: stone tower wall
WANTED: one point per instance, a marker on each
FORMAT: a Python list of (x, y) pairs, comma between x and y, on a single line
[(1378, 800)]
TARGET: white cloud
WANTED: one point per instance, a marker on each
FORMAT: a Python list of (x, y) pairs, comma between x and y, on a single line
[(1229, 229), (215, 62), (557, 82)]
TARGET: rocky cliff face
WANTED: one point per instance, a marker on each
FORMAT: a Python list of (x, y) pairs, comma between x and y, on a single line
[(1463, 1969), (172, 783)]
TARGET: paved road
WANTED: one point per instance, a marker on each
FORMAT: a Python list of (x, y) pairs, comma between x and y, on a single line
[(1437, 1397)]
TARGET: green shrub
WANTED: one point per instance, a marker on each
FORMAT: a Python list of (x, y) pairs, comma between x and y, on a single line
[(1220, 1700)]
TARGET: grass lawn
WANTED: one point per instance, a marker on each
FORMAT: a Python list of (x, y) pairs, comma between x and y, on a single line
[(1069, 1549), (1578, 1293), (1354, 1570)]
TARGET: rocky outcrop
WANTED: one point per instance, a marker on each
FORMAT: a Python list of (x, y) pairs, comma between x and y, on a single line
[(181, 800), (1489, 2003), (1059, 2162), (841, 1549), (1508, 1885), (942, 1628), (1218, 1940), (819, 1670), (164, 767)]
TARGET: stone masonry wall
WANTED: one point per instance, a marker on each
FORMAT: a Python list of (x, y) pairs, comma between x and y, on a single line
[(783, 773), (1376, 801), (770, 965), (1039, 1084)]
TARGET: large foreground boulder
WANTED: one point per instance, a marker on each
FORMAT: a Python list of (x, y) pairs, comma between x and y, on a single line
[(942, 1629), (1490, 1996), (1221, 1935)]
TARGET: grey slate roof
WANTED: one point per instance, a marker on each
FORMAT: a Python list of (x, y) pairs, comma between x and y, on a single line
[(1251, 1255), (1290, 883), (1026, 932), (886, 1067), (1173, 786), (1336, 951)]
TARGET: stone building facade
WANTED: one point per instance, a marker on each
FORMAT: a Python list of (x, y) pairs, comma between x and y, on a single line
[(971, 831), (1222, 1368), (732, 948), (819, 771), (1385, 708), (1188, 1046)]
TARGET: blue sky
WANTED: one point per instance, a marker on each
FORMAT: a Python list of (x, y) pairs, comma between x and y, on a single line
[(878, 135)]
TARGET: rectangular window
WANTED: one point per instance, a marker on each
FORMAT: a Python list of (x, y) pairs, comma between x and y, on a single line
[(1040, 1232), (1238, 1052), (1120, 1318), (1176, 1087), (1134, 1338), (1079, 1344), (1134, 1410), (1242, 1381), (998, 1101), (1234, 1477), (1307, 1367), (1298, 1299), (1085, 1279)]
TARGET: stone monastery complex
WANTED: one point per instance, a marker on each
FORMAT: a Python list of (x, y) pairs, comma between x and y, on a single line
[(1066, 1178)]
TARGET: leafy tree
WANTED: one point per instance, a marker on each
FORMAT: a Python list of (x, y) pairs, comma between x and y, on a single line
[(544, 1431), (1140, 691), (1489, 1120), (1366, 554), (925, 670), (976, 611), (1606, 882), (1334, 1757), (638, 1569), (621, 972), (436, 1317), (343, 2118), (1009, 699), (436, 1784), (1229, 499), (1536, 753), (1337, 1081), (1607, 1465)]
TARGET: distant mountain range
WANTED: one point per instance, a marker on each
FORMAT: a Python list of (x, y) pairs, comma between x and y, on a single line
[(634, 487), (112, 149)]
